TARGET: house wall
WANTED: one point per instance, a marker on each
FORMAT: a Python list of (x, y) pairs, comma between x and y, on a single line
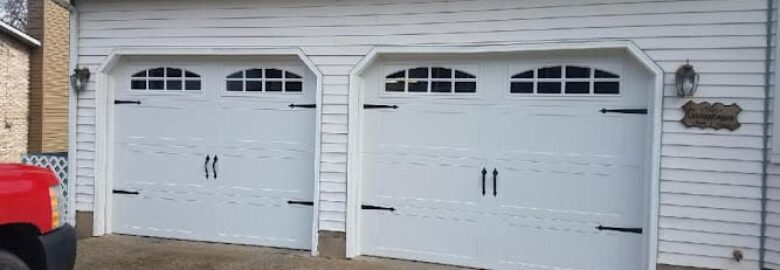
[(773, 180), (711, 180), (48, 22), (14, 85)]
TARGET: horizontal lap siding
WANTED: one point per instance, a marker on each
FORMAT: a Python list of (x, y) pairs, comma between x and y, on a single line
[(773, 190), (710, 180), (333, 168), (85, 138)]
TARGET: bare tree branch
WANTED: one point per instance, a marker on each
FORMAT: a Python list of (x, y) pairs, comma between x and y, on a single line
[(14, 12)]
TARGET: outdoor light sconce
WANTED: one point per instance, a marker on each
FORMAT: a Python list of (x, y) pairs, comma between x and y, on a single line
[(79, 79), (686, 80)]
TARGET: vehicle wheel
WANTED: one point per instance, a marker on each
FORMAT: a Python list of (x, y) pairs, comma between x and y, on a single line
[(9, 261)]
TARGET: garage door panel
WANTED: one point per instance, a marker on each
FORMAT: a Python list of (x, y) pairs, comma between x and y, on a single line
[(171, 214), (264, 220), (160, 154), (425, 131), (429, 170), (153, 167), (430, 182), (269, 128), (436, 238), (280, 172), (583, 135), (164, 123), (266, 152), (571, 196), (548, 246), (565, 164)]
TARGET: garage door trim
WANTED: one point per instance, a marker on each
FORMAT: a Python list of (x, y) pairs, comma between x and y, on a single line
[(104, 171), (354, 166)]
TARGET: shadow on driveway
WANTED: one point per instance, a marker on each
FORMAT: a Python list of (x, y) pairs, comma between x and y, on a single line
[(139, 253)]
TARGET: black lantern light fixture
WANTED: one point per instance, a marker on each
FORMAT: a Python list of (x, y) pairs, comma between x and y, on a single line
[(686, 80), (79, 79)]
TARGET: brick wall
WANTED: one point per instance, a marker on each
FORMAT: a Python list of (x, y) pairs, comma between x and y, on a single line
[(49, 22), (14, 83)]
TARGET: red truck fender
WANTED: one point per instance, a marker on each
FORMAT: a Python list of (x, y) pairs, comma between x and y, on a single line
[(24, 196)]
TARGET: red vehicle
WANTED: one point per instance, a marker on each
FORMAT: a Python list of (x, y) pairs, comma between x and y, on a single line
[(32, 232)]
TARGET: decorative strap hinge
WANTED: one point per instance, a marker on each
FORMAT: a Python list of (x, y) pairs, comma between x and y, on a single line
[(119, 101), (379, 106), (617, 229), (310, 106), (125, 192), (309, 203), (374, 207), (627, 111)]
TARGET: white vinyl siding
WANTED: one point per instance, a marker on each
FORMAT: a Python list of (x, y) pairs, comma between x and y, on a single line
[(773, 182), (710, 180)]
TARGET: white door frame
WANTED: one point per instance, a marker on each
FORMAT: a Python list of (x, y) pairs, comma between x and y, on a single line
[(354, 131), (104, 126)]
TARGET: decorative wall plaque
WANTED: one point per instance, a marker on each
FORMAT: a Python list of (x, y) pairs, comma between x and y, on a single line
[(716, 116)]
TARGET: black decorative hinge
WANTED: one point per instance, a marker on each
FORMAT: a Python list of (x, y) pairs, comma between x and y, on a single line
[(119, 101), (628, 111), (625, 230), (303, 106), (125, 192), (374, 207), (301, 203), (379, 106)]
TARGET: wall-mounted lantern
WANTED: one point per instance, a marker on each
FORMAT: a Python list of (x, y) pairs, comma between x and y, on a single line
[(79, 79), (687, 80)]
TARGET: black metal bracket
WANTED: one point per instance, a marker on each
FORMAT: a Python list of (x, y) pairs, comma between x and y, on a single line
[(125, 192), (119, 101), (310, 106), (379, 106), (301, 203), (374, 207), (628, 111), (625, 230)]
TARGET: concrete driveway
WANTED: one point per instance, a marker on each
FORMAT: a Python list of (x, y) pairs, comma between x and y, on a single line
[(138, 253)]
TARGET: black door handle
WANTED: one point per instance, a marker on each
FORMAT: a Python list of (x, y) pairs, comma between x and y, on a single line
[(495, 187), (484, 174), (214, 166), (206, 166)]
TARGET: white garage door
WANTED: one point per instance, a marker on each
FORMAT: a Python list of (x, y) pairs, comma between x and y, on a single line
[(509, 163), (212, 150)]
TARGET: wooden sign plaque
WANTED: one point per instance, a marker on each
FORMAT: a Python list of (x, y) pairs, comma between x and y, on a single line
[(716, 116)]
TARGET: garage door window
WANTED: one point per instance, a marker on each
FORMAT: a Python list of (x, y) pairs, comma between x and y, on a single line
[(437, 80), (260, 80), (566, 80), (165, 79)]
